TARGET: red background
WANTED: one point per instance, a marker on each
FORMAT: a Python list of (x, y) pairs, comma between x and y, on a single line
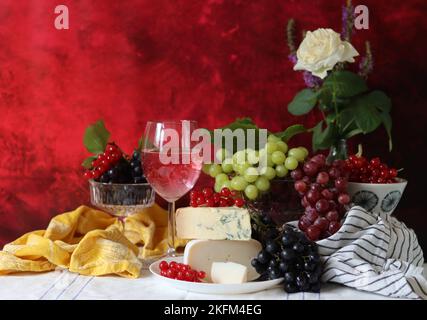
[(208, 60)]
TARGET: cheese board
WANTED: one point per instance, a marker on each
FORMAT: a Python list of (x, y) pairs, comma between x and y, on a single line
[(212, 288)]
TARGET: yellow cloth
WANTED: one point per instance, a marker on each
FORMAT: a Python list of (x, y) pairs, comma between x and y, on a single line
[(90, 242)]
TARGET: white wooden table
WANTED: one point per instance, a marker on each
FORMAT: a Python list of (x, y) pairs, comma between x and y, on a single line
[(63, 285)]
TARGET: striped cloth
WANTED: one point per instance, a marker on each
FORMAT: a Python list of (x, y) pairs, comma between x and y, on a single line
[(375, 253)]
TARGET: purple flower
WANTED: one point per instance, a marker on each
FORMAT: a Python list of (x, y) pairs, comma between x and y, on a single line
[(293, 58), (311, 81), (347, 21)]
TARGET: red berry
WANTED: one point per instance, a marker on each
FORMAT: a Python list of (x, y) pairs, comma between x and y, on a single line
[(239, 202), (341, 184), (225, 192), (230, 201), (384, 174), (313, 232), (193, 203), (216, 197), (332, 215), (189, 275), (173, 265), (163, 273), (375, 162), (223, 202), (234, 193), (171, 273), (163, 265), (392, 173), (194, 194), (200, 200), (201, 274), (334, 226), (322, 178), (210, 202), (207, 192), (180, 275), (88, 174)]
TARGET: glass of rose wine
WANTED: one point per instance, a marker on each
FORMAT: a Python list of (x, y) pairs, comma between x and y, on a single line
[(169, 166)]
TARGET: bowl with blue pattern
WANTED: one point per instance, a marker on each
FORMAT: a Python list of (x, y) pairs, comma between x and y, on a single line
[(377, 197)]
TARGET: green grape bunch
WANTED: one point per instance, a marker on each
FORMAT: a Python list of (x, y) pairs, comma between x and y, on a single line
[(242, 171)]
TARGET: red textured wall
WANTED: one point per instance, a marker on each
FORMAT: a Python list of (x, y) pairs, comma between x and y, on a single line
[(209, 60)]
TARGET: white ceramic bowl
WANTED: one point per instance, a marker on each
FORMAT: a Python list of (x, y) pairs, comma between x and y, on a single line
[(379, 197)]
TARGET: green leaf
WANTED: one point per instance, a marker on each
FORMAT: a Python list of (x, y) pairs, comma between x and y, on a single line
[(96, 137), (367, 110), (303, 102), (87, 163), (291, 131), (323, 139), (345, 84), (387, 122)]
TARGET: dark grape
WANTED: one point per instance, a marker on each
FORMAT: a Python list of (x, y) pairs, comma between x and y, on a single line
[(298, 247), (289, 277), (287, 254), (291, 288), (264, 257), (288, 240), (272, 247)]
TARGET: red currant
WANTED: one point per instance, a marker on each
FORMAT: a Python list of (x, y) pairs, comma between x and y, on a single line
[(225, 192), (200, 200), (207, 192), (223, 202), (163, 265), (239, 202), (201, 274), (193, 203), (210, 202)]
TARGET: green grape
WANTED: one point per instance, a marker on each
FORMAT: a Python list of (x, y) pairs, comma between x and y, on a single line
[(221, 178), (281, 171), (241, 168), (217, 187), (215, 170), (282, 146), (262, 184), (271, 147), (227, 166), (253, 156), (278, 157), (238, 183), (296, 153), (226, 184), (273, 138), (239, 157), (304, 150), (222, 154), (251, 192), (205, 168), (251, 174), (291, 163), (268, 172)]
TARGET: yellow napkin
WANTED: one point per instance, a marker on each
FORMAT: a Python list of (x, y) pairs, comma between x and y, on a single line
[(90, 242)]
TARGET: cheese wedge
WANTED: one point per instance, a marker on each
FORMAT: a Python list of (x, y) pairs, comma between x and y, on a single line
[(201, 254), (228, 272), (213, 223)]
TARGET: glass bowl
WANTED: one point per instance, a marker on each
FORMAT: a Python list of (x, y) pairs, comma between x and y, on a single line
[(123, 199)]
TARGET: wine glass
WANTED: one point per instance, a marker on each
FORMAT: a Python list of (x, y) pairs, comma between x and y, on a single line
[(169, 164)]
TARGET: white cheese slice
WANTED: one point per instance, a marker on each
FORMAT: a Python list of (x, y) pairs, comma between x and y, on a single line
[(228, 272), (213, 223), (200, 254)]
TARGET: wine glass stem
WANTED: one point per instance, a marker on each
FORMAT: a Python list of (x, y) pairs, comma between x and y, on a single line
[(171, 229)]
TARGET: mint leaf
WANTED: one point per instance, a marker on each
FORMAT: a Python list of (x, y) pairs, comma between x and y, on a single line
[(87, 163), (291, 131), (303, 102), (96, 137), (345, 84)]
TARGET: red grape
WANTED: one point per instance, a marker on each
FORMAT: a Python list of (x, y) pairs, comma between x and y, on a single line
[(322, 223), (313, 196), (297, 174), (313, 232), (311, 214), (344, 198), (332, 215), (310, 168), (322, 205), (341, 184), (300, 186), (322, 178), (319, 159), (327, 194), (334, 226)]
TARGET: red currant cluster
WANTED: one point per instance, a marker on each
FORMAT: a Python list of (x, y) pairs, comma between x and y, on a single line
[(373, 171), (208, 198), (104, 162), (323, 189), (180, 271)]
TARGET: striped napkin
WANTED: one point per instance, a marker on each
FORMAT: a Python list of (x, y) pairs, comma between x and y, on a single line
[(376, 253)]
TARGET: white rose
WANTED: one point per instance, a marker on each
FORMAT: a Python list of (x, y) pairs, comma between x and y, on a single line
[(321, 50)]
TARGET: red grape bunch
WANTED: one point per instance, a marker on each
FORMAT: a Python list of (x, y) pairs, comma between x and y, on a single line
[(323, 189)]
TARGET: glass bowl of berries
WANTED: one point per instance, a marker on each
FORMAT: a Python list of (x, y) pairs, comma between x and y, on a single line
[(117, 184), (373, 185)]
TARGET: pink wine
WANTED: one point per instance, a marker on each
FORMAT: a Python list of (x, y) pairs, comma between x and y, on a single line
[(171, 181)]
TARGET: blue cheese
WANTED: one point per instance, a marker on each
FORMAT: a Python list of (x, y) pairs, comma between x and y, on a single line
[(210, 223)]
